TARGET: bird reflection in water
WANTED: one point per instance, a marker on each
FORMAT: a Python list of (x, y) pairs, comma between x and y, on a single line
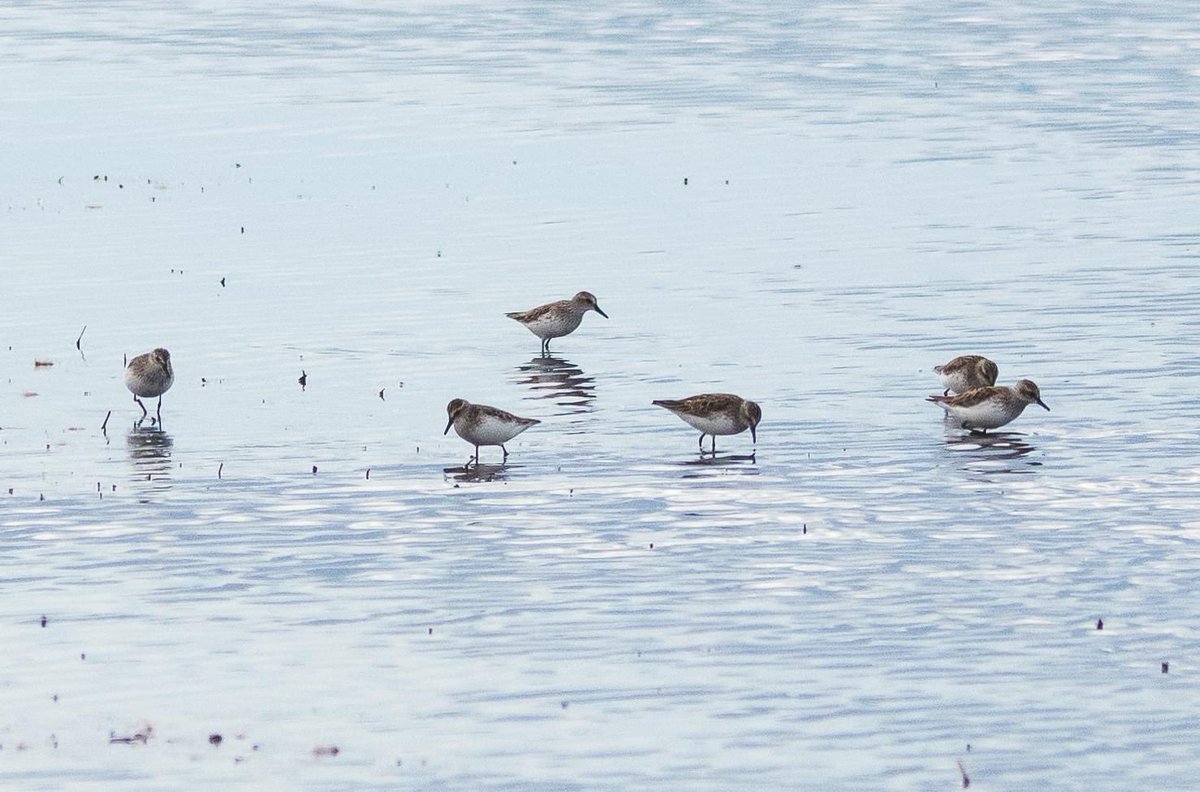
[(559, 380), (742, 464), (477, 472), (991, 447), (150, 451)]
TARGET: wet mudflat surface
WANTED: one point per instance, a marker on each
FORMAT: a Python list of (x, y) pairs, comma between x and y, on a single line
[(809, 210)]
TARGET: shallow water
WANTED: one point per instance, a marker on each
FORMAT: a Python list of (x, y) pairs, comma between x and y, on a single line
[(808, 208)]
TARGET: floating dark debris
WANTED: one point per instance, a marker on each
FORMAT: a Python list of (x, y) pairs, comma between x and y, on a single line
[(326, 750), (303, 379), (214, 739), (141, 737), (1099, 624), (43, 621)]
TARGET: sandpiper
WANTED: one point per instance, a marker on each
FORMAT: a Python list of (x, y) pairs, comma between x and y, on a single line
[(716, 414), (481, 425), (980, 409), (557, 319), (966, 372), (150, 375)]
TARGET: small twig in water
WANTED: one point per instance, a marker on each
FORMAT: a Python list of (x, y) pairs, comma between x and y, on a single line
[(77, 340), (966, 780), (104, 426), (220, 467)]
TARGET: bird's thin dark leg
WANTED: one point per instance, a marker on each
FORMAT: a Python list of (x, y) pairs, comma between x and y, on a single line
[(701, 442), (139, 404), (158, 412), (714, 445), (946, 392), (505, 450)]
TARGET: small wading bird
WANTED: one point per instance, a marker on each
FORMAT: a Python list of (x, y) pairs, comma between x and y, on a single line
[(980, 409), (150, 375), (966, 372), (481, 425), (716, 414), (557, 319)]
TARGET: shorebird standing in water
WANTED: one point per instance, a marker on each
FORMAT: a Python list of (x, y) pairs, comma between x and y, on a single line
[(150, 375), (557, 319), (981, 409), (965, 372), (481, 425), (716, 414)]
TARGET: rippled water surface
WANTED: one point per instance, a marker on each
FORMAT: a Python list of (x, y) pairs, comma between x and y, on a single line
[(809, 207)]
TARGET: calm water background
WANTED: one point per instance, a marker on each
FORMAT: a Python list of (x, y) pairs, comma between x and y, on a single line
[(807, 207)]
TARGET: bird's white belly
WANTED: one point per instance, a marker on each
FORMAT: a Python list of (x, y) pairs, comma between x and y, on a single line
[(553, 325), (713, 425), (955, 382), (491, 431), (148, 386), (988, 415)]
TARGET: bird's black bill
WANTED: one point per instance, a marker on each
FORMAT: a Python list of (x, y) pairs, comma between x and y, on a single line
[(1043, 405), (448, 425), (601, 312)]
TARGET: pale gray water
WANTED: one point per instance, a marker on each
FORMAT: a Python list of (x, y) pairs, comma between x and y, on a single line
[(870, 190)]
